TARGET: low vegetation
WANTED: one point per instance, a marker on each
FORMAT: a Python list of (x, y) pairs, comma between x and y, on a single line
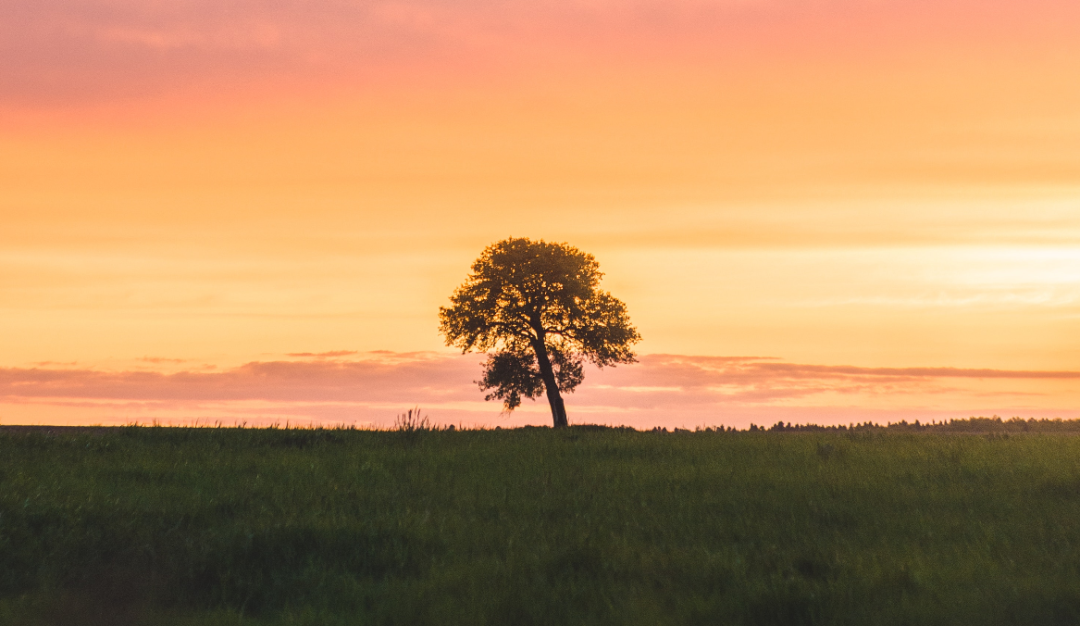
[(584, 525)]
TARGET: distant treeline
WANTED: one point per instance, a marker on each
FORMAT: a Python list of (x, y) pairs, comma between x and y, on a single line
[(420, 425), (975, 425)]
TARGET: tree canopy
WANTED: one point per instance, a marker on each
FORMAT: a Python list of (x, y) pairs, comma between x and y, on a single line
[(537, 309)]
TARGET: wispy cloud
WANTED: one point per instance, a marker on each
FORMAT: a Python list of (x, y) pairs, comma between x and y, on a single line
[(332, 354), (662, 389), (431, 377), (752, 368)]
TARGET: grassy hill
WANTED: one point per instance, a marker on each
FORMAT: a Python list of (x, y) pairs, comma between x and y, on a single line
[(534, 526)]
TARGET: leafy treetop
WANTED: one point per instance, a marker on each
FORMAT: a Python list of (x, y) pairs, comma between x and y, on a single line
[(536, 307)]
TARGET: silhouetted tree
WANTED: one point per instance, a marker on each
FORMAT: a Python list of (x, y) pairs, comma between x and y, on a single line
[(537, 309)]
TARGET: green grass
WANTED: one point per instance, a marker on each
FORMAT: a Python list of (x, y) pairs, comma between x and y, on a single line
[(535, 526)]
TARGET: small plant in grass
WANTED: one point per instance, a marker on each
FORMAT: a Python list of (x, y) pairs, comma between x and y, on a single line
[(412, 421)]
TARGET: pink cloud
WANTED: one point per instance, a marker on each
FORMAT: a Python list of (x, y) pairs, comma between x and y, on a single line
[(662, 389), (63, 51), (429, 377)]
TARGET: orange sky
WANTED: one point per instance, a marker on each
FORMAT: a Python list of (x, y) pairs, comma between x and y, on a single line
[(868, 183)]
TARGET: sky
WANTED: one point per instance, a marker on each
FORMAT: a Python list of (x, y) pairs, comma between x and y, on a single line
[(826, 211)]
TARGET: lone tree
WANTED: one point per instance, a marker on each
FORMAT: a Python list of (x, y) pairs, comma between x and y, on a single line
[(536, 308)]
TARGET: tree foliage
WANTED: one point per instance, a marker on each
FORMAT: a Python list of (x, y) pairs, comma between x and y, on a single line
[(537, 309)]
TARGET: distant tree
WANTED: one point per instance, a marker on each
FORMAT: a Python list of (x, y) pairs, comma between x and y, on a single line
[(536, 308)]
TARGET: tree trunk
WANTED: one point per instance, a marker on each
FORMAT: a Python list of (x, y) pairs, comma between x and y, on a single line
[(558, 409)]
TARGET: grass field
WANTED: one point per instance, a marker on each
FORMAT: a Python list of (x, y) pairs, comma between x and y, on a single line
[(536, 526)]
